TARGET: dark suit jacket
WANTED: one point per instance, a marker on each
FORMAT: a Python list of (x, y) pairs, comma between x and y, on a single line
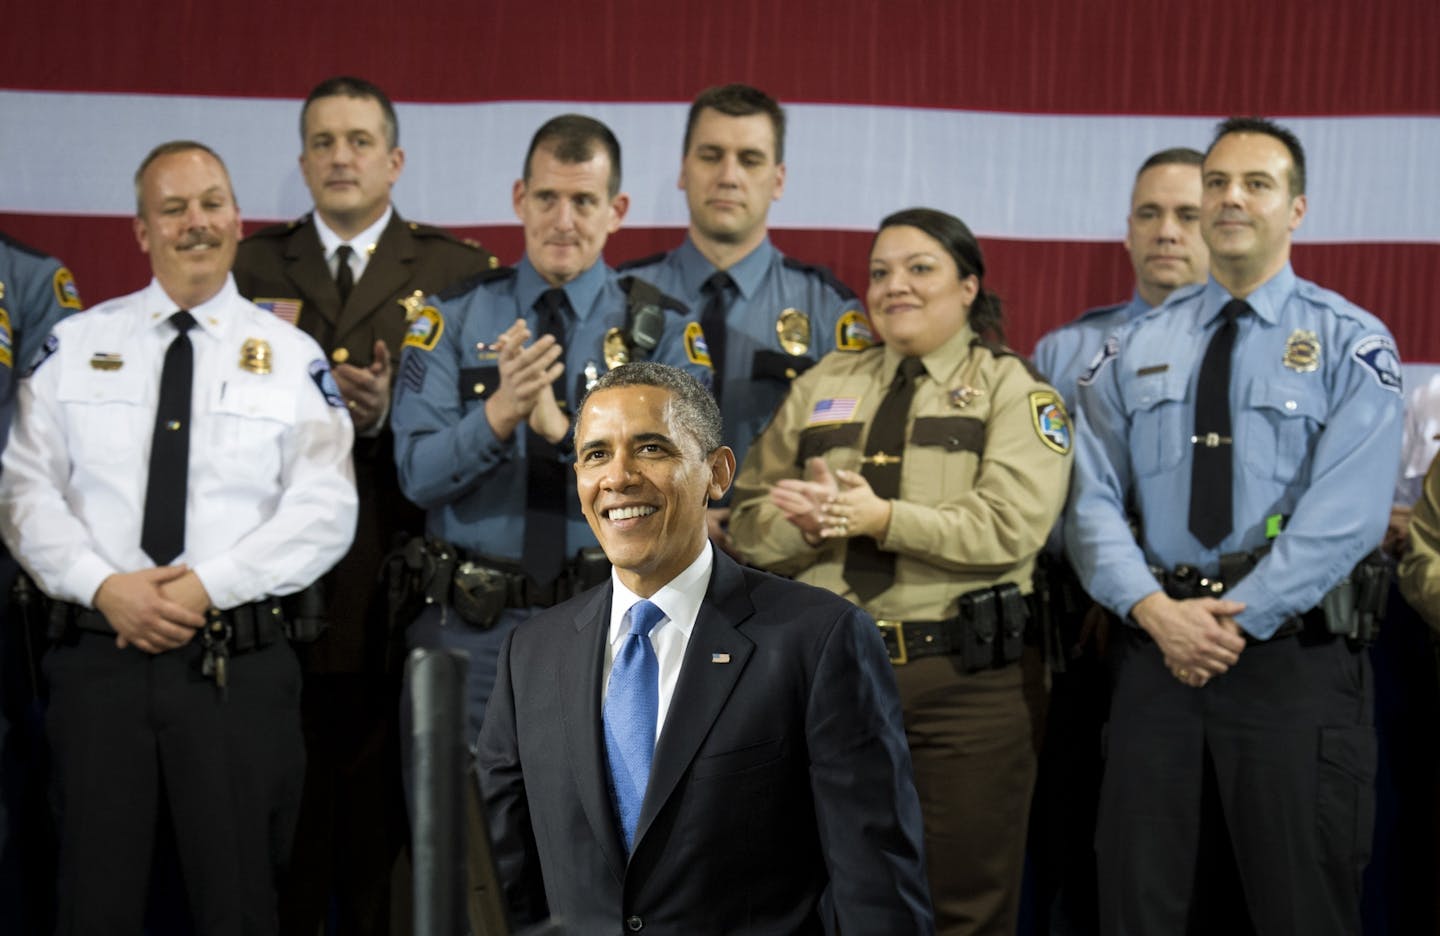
[(286, 262), (778, 773)]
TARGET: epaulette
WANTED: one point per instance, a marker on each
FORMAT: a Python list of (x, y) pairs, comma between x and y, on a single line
[(999, 350), (479, 279), (282, 229), (431, 232), (642, 262), (830, 279), (1099, 310), (22, 247)]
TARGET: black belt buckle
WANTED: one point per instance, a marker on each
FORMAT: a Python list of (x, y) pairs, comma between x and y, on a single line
[(893, 633)]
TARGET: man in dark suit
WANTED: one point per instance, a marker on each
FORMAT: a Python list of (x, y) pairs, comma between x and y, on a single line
[(695, 747), (353, 274)]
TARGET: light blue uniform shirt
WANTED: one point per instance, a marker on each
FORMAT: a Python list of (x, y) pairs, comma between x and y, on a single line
[(767, 283), (1319, 447), (35, 293), (470, 483)]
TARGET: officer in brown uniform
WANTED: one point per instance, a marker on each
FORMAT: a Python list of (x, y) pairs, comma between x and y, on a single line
[(352, 274), (920, 479)]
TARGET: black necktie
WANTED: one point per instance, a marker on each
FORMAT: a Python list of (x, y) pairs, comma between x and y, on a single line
[(344, 276), (162, 534), (869, 570), (713, 323), (544, 547), (1212, 503)]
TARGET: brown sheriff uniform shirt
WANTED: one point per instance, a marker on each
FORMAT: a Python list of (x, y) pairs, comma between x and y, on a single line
[(985, 473)]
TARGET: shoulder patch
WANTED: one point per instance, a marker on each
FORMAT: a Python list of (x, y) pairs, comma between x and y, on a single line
[(7, 350), (1377, 352), (1104, 356), (425, 330), (66, 294), (1051, 422), (695, 348), (642, 262), (285, 309), (47, 350), (325, 383), (465, 285), (852, 332), (823, 274)]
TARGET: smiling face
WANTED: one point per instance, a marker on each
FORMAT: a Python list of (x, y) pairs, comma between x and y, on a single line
[(917, 298), (1247, 209), (730, 177), (644, 483), (567, 213), (348, 163), (188, 224), (1163, 231)]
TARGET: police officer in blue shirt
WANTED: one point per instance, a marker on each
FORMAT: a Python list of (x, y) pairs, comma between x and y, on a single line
[(1253, 423), (489, 377), (768, 317), (36, 291), (1163, 240)]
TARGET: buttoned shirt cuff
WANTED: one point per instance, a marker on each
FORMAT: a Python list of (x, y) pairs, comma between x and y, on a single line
[(1264, 612), (83, 579)]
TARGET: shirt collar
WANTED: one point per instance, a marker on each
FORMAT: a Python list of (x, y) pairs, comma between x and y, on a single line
[(1266, 301), (582, 291), (747, 272), (941, 363), (364, 242), (680, 598), (209, 315)]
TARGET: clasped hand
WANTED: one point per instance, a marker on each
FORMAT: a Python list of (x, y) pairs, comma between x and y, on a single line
[(526, 393), (831, 505)]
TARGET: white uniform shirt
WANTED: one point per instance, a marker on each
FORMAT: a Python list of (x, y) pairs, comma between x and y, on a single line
[(362, 244), (270, 503), (680, 599)]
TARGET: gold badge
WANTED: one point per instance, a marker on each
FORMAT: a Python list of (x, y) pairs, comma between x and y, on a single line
[(412, 304), (1302, 351), (615, 350), (963, 396), (255, 356), (340, 355), (793, 327), (107, 361), (852, 332)]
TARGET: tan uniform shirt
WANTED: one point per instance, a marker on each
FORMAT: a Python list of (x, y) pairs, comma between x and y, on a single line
[(985, 473), (1420, 569)]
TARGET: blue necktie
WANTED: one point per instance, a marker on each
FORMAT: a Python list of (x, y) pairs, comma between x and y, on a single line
[(632, 705)]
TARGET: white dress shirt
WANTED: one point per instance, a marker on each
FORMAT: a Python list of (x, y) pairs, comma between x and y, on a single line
[(362, 245), (270, 498), (680, 599)]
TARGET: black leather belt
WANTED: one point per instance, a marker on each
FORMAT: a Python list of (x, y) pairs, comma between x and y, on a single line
[(247, 627), (990, 631)]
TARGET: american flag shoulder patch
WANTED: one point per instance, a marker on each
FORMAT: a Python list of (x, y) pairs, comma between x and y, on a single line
[(833, 410), (286, 309)]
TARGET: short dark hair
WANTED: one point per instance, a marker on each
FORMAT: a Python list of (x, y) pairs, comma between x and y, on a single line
[(699, 416), (738, 100), (1271, 129), (1174, 156), (987, 319), (572, 138), (352, 87), (168, 149)]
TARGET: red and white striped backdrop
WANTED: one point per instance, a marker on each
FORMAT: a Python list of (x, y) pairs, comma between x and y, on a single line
[(1026, 118)]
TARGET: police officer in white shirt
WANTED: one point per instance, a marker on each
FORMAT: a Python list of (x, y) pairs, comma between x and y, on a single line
[(179, 467)]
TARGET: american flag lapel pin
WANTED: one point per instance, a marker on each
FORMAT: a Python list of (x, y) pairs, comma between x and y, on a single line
[(719, 658)]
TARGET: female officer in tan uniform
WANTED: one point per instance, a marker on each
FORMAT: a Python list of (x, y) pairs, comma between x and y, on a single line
[(919, 479)]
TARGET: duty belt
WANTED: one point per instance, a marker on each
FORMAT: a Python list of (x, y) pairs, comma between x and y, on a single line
[(989, 632)]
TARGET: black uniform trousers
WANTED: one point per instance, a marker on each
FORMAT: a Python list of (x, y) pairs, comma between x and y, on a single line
[(132, 734), (1289, 731)]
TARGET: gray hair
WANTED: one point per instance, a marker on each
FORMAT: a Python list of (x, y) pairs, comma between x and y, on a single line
[(695, 408)]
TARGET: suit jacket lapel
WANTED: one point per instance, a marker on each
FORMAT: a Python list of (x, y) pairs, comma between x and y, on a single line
[(305, 265), (703, 687), (579, 690), (386, 272)]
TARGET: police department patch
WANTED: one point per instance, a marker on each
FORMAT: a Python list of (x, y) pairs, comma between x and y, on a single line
[(1107, 353), (1377, 352), (695, 348), (52, 344), (65, 292), (852, 332), (1052, 423), (425, 331), (325, 383), (7, 352)]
